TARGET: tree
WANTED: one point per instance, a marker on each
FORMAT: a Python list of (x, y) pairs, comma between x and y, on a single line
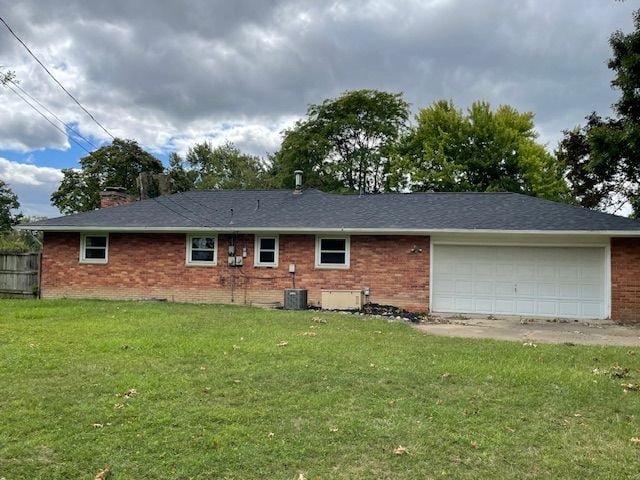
[(115, 165), (216, 168), (344, 143), (8, 203), (603, 157), (482, 150)]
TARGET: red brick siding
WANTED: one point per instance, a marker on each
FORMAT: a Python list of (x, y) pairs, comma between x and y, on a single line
[(625, 280), (153, 266)]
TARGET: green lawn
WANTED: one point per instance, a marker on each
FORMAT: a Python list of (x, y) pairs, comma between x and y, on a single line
[(217, 395)]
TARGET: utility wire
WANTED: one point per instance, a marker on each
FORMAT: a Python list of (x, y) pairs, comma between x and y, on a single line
[(54, 115), (54, 78), (46, 118), (199, 224)]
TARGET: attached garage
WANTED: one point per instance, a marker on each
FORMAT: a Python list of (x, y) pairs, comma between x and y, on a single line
[(521, 280)]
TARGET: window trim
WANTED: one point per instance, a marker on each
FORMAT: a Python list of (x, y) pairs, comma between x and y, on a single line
[(347, 252), (201, 263), (276, 253), (83, 249)]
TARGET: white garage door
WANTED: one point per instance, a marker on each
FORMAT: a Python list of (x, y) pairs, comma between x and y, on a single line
[(548, 281)]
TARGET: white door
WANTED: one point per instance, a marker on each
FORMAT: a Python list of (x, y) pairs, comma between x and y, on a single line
[(545, 281)]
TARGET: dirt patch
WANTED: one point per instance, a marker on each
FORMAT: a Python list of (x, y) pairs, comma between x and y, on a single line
[(596, 332)]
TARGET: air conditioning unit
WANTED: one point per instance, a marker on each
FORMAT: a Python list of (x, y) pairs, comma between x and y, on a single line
[(295, 298)]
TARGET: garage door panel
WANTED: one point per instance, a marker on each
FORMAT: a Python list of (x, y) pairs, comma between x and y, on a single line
[(550, 281), (483, 288), (568, 290), (547, 308), (592, 310), (547, 290), (505, 288), (526, 289), (525, 271), (568, 309), (545, 271), (525, 307), (484, 305), (591, 292)]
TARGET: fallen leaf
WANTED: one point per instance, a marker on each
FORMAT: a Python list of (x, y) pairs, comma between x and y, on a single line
[(577, 415), (97, 425), (130, 393), (627, 387), (118, 405), (271, 434), (103, 473), (301, 476), (474, 444), (283, 344), (400, 450), (635, 440)]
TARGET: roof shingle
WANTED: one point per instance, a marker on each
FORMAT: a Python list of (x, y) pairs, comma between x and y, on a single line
[(313, 209)]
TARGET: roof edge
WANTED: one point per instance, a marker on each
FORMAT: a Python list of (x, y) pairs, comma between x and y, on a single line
[(341, 230)]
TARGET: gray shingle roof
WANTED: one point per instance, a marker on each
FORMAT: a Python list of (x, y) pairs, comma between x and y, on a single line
[(282, 210)]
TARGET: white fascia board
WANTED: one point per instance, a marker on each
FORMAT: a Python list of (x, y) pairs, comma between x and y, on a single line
[(353, 231)]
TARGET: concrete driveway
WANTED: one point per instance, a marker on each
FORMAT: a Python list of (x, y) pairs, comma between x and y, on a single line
[(596, 332)]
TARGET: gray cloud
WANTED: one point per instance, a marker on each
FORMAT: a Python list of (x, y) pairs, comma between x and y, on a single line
[(170, 73)]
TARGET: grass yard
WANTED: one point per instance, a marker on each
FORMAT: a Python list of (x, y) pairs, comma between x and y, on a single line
[(218, 394)]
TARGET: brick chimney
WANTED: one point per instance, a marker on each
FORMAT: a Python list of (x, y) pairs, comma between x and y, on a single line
[(114, 196)]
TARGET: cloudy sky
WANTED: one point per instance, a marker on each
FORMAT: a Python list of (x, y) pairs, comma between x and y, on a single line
[(170, 74)]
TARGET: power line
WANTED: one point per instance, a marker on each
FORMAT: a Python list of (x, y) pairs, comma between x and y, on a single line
[(46, 118), (199, 224), (54, 78), (54, 115)]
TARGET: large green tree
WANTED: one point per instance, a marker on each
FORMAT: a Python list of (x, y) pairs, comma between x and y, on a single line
[(116, 165), (478, 150), (8, 204), (602, 157), (344, 143), (216, 168)]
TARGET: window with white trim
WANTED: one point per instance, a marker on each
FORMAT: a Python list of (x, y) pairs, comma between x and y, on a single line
[(332, 252), (202, 249), (266, 249), (94, 248)]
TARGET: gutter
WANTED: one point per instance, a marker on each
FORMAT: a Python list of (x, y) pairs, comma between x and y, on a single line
[(342, 230)]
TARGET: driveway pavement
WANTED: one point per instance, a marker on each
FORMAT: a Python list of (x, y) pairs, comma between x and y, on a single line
[(596, 332)]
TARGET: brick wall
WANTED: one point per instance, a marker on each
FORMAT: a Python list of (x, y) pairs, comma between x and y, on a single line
[(625, 280), (153, 266)]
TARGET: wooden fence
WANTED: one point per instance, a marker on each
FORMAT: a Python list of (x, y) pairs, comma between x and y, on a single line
[(19, 274)]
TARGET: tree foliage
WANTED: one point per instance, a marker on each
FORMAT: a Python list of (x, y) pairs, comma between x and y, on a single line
[(8, 204), (116, 165), (216, 168), (480, 150), (344, 143), (603, 156)]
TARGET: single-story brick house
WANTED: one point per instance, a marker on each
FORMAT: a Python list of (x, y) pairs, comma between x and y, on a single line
[(485, 253)]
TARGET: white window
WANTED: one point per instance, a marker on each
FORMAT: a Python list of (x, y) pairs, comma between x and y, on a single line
[(94, 248), (202, 249), (266, 252), (332, 252)]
